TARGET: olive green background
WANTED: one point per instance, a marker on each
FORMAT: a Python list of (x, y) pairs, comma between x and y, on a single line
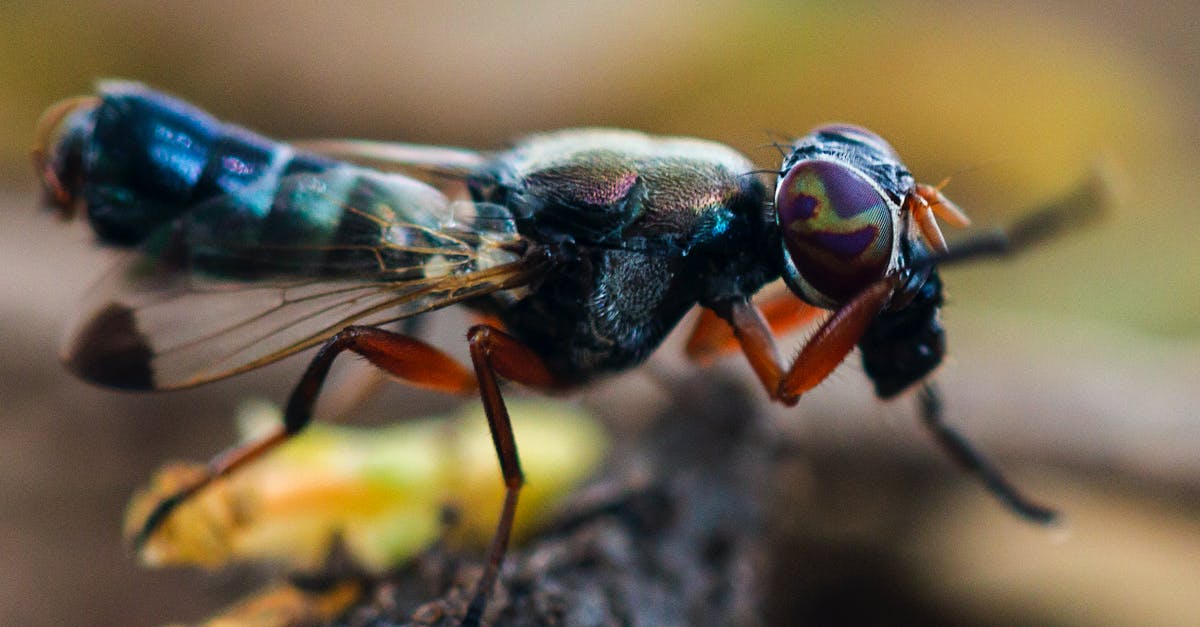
[(1075, 365)]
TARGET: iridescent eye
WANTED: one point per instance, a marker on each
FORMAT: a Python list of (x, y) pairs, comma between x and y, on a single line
[(837, 229)]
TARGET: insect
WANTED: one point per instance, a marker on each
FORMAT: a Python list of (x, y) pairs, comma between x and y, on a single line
[(584, 247)]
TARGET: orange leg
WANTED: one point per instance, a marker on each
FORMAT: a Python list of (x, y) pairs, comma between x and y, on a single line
[(822, 353), (922, 216), (399, 355), (754, 336), (495, 352), (712, 337), (942, 206), (923, 204), (492, 353), (828, 347)]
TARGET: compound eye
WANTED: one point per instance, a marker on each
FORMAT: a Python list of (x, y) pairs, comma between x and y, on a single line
[(857, 135), (837, 230)]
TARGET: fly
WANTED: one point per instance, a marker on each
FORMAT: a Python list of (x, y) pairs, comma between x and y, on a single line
[(585, 247)]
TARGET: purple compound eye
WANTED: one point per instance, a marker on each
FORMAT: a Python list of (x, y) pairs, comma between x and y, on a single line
[(837, 231)]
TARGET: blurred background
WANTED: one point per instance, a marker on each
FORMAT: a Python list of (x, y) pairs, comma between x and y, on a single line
[(1074, 366)]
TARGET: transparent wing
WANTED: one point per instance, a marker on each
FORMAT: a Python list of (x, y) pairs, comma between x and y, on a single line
[(201, 300), (444, 167)]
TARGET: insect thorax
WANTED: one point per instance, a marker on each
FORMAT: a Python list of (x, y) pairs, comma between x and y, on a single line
[(678, 230)]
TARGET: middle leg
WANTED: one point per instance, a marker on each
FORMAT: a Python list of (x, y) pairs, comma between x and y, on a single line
[(494, 352), (712, 337)]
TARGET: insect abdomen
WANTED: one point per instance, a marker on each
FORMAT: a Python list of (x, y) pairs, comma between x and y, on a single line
[(136, 160)]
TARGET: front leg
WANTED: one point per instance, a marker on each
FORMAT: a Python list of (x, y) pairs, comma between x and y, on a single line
[(827, 348), (821, 354), (970, 460)]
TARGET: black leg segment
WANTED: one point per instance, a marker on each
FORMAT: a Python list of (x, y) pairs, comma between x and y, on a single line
[(970, 460)]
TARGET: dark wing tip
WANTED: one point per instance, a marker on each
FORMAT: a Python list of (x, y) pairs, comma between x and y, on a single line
[(110, 350)]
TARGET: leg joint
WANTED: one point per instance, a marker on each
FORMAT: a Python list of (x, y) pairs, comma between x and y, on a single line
[(482, 335)]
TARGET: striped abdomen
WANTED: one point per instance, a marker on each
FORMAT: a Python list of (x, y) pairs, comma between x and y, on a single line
[(136, 160)]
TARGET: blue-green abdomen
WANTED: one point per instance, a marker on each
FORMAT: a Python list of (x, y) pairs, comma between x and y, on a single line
[(139, 161), (145, 158)]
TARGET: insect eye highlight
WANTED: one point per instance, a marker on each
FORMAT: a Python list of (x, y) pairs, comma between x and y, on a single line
[(837, 230)]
